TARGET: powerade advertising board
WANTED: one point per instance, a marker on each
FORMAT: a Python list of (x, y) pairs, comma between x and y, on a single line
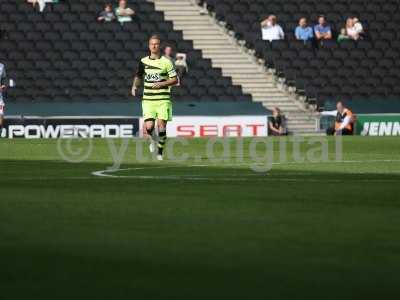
[(70, 127), (378, 125)]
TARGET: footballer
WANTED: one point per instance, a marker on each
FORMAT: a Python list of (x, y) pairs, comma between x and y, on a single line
[(3, 87), (157, 74)]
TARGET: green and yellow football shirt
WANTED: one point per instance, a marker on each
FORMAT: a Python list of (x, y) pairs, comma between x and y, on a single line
[(155, 70)]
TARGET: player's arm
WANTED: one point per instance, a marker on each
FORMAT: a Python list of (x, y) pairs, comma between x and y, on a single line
[(138, 79), (164, 84), (172, 77)]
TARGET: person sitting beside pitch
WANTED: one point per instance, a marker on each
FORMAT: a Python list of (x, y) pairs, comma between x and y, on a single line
[(344, 120), (275, 123)]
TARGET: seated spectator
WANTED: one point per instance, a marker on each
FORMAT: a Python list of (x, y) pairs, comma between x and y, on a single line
[(179, 62), (271, 30), (343, 35), (168, 53), (107, 15), (276, 123), (304, 32), (203, 5), (124, 14), (322, 30), (351, 30), (41, 3), (344, 120), (181, 65)]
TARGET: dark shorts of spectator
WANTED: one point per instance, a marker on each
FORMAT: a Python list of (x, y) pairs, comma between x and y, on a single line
[(345, 131), (181, 71)]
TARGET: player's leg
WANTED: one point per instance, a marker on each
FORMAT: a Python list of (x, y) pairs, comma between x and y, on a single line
[(149, 116), (1, 118), (162, 137), (164, 114)]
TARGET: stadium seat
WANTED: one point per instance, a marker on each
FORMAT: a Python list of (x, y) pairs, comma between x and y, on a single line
[(376, 55), (66, 46)]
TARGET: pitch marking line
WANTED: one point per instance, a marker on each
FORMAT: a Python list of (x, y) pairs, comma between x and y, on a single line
[(109, 173)]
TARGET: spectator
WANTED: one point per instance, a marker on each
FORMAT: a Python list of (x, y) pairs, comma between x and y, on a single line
[(304, 32), (271, 30), (343, 35), (179, 62), (344, 120), (3, 88), (168, 53), (181, 65), (40, 3), (351, 30), (203, 5), (276, 123), (107, 15), (124, 14), (322, 30)]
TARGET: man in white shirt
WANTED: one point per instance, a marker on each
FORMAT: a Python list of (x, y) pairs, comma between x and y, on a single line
[(271, 30), (41, 3)]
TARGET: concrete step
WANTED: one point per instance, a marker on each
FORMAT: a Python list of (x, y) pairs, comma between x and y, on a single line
[(182, 11), (264, 89), (217, 53), (240, 76), (184, 17), (181, 2), (189, 27), (271, 98), (235, 72), (176, 6), (199, 36), (178, 10), (197, 30), (258, 83), (208, 44), (223, 60), (199, 22), (237, 64)]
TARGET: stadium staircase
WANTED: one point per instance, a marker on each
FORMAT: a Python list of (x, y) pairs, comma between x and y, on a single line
[(225, 53)]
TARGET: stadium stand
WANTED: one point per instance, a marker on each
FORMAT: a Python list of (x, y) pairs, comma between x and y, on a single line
[(364, 69), (63, 54)]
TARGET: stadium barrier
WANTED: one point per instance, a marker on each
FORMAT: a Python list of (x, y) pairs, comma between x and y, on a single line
[(34, 127), (378, 124), (70, 127), (216, 126)]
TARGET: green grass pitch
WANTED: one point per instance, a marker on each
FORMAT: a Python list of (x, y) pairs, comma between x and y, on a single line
[(200, 229)]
